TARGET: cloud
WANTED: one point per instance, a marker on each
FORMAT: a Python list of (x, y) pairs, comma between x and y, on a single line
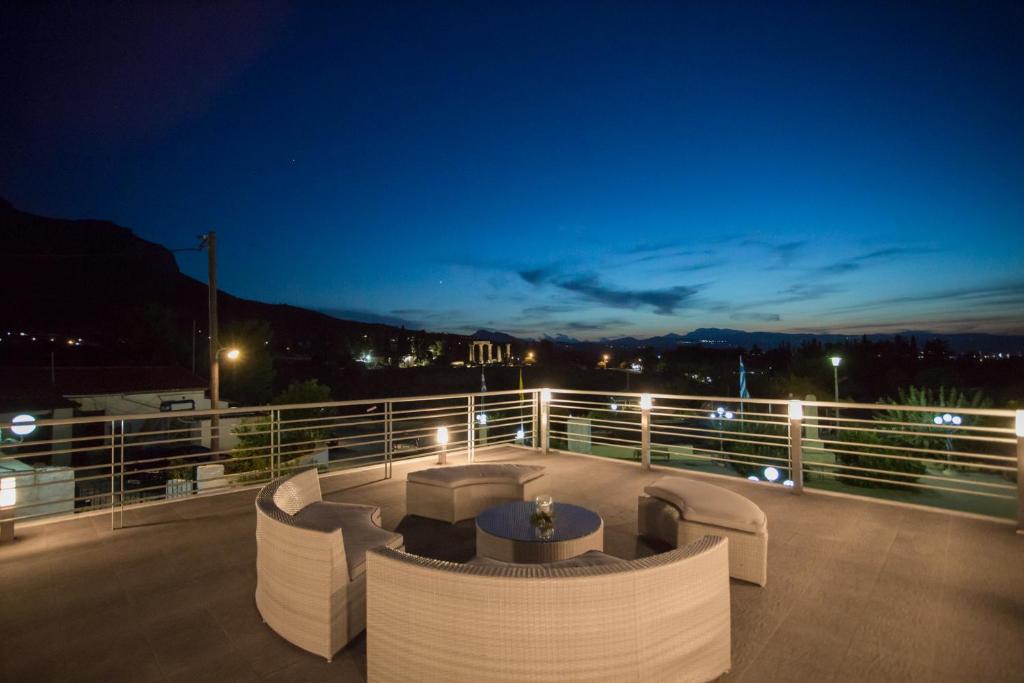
[(588, 287), (855, 263), (597, 325), (754, 316), (785, 253), (547, 310), (537, 276), (1007, 294)]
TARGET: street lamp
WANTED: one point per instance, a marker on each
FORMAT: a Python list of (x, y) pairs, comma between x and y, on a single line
[(718, 415), (836, 360), (945, 420)]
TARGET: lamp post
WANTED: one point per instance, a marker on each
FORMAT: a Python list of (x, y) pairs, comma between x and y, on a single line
[(836, 360), (948, 420), (718, 415)]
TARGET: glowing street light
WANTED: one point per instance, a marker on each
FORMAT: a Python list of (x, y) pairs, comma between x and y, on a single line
[(232, 354), (836, 360)]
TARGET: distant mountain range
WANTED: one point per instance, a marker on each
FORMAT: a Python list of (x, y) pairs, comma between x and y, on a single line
[(728, 338), (96, 280), (90, 278)]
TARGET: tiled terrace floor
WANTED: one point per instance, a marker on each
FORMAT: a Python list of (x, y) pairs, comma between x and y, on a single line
[(857, 591)]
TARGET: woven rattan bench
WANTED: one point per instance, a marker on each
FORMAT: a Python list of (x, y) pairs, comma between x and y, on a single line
[(678, 510), (452, 494), (311, 563), (592, 618)]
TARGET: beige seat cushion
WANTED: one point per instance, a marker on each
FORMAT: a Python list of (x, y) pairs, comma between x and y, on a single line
[(709, 504), (358, 532), (465, 475), (591, 558)]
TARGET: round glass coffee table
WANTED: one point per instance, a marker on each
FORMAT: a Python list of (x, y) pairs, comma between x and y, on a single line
[(506, 533)]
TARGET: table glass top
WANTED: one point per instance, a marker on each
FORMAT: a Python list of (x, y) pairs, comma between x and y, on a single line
[(512, 521)]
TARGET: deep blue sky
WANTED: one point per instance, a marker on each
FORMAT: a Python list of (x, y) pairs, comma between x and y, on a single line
[(593, 169)]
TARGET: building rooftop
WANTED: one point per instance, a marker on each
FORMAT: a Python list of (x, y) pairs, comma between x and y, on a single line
[(28, 388), (857, 589)]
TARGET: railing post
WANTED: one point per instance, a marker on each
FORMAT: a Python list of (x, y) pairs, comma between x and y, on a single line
[(113, 450), (120, 500), (645, 431), (1019, 428), (545, 417), (275, 442), (389, 439), (796, 468), (470, 429), (534, 419)]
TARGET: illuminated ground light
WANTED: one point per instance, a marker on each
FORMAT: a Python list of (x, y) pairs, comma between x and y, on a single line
[(23, 425)]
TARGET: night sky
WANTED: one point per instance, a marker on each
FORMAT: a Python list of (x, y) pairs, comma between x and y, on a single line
[(592, 169)]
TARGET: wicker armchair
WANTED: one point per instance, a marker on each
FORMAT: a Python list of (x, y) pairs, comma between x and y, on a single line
[(661, 618), (310, 563)]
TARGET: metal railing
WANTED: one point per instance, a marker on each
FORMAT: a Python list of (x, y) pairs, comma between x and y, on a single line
[(964, 459), (110, 462)]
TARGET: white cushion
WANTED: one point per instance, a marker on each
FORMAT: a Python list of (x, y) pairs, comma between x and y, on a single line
[(709, 504), (465, 475)]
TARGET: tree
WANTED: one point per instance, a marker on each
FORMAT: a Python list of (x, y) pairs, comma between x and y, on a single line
[(301, 430), (914, 429)]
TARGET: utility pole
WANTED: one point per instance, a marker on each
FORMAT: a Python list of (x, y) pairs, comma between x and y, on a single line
[(211, 248)]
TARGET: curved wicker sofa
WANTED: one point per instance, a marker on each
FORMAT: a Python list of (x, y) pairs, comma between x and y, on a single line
[(452, 494), (661, 618), (311, 562)]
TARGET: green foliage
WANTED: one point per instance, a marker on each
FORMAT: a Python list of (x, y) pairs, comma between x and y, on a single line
[(301, 430), (919, 431)]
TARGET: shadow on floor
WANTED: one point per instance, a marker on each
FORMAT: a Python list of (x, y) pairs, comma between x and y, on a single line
[(439, 540)]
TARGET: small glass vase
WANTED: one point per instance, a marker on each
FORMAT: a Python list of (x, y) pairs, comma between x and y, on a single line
[(544, 504)]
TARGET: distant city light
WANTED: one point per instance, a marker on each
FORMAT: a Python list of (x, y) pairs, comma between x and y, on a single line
[(615, 406), (753, 477), (771, 474), (23, 425), (788, 482), (937, 420)]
